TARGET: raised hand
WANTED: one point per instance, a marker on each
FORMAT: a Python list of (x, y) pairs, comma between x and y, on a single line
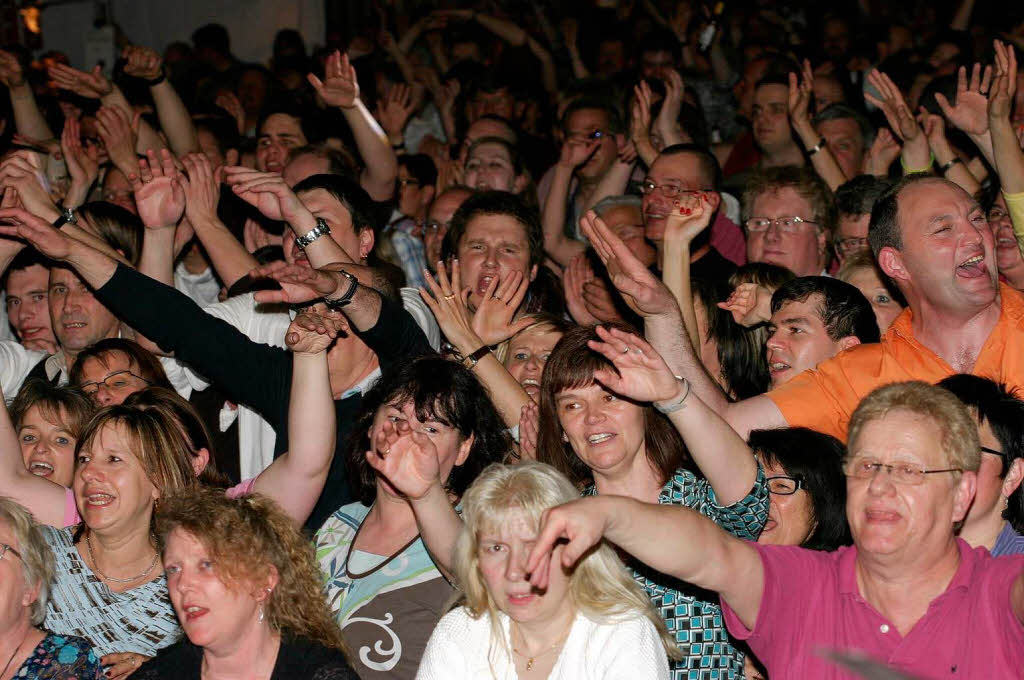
[(667, 122), (894, 106), (40, 234), (1004, 86), (202, 188), (640, 373), (393, 110), (689, 217), (159, 194), (269, 193), (314, 329), (642, 290), (22, 170), (493, 320), (339, 87), (83, 162), (600, 302), (576, 152), (11, 73), (883, 152), (750, 304), (119, 135), (579, 522), (142, 62), (575, 276), (970, 113), (89, 84), (298, 284), (801, 94), (233, 107), (529, 431), (407, 459), (449, 301)]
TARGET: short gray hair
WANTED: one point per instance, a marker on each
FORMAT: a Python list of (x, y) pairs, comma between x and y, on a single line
[(841, 111), (37, 561), (612, 202)]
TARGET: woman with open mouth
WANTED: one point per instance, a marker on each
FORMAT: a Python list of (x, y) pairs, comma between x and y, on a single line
[(49, 420)]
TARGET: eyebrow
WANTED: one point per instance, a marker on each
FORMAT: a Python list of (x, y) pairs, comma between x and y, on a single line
[(795, 320)]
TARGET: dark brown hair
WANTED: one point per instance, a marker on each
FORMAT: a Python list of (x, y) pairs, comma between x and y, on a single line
[(145, 363), (63, 406)]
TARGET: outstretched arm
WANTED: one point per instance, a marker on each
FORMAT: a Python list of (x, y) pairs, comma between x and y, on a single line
[(296, 479), (800, 95), (674, 540), (175, 120), (28, 119), (560, 247), (684, 224)]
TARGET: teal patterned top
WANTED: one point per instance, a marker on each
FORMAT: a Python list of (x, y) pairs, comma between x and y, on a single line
[(692, 614)]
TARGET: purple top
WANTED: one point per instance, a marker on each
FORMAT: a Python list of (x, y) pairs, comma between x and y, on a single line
[(811, 602), (1009, 542)]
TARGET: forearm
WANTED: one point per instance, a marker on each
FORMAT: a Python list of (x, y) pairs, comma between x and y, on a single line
[(722, 456), (174, 119), (381, 164), (230, 259), (664, 333), (962, 17), (506, 30), (95, 267), (675, 273), (984, 144), (548, 74), (78, 193), (1009, 159), (28, 119), (822, 160), (507, 395), (43, 498), (916, 155), (560, 247), (439, 527), (613, 183), (958, 172), (296, 479), (157, 258)]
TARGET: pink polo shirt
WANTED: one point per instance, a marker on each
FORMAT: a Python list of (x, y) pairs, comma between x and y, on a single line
[(811, 602)]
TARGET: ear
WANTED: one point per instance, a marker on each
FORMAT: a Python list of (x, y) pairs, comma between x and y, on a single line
[(519, 183), (848, 342), (31, 595), (366, 240), (533, 272), (714, 200), (266, 586), (1013, 478), (200, 460), (890, 261), (231, 157), (964, 494), (464, 448)]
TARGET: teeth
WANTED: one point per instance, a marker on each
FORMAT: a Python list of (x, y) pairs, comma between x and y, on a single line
[(974, 260), (601, 437), (74, 325), (530, 381), (192, 610), (40, 468), (99, 499), (778, 366)]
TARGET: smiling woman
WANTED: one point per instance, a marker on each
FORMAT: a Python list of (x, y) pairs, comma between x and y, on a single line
[(49, 421)]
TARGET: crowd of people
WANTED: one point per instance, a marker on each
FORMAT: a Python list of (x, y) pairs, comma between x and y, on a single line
[(697, 357)]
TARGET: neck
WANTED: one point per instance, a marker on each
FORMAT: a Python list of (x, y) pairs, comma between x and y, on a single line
[(537, 637), (983, 532), (957, 338), (348, 364), (903, 592), (253, 656), (640, 480), (786, 155), (391, 512), (119, 555), (1014, 275), (12, 642)]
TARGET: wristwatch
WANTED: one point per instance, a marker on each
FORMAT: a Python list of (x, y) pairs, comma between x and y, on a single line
[(472, 360), (338, 303), (67, 216), (313, 234)]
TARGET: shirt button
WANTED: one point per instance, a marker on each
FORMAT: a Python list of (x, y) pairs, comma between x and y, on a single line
[(884, 628)]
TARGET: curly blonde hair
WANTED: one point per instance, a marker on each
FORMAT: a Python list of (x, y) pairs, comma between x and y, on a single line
[(600, 586), (247, 538)]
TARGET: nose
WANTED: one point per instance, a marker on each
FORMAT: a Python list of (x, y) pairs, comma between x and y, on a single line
[(594, 415), (534, 365), (183, 582), (773, 342), (89, 472), (773, 233), (490, 258), (515, 569), (103, 396), (881, 481)]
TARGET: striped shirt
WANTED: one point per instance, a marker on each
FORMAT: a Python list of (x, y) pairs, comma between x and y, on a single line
[(1009, 542), (139, 620)]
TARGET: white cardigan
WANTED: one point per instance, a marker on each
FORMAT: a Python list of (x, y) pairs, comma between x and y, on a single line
[(628, 650)]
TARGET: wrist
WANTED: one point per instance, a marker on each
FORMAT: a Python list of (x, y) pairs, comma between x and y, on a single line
[(435, 492), (302, 222)]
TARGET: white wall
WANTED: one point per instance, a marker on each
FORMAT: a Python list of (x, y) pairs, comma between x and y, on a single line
[(156, 23)]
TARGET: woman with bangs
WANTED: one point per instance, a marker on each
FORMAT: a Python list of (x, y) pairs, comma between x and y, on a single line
[(49, 421), (592, 621), (382, 586), (611, 418)]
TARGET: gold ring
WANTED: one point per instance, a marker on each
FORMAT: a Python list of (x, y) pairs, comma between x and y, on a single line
[(449, 297)]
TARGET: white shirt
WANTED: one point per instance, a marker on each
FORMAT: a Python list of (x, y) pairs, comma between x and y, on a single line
[(203, 288), (630, 649)]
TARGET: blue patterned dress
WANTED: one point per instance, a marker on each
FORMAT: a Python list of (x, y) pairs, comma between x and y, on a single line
[(692, 614), (60, 657)]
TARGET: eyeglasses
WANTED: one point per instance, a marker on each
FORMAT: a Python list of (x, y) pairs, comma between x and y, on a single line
[(588, 136), (4, 549), (787, 225), (669, 190), (900, 473), (993, 452), (437, 225), (118, 380), (407, 181), (996, 214), (851, 245), (782, 485)]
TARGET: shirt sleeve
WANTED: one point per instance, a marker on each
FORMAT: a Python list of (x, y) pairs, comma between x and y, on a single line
[(816, 399), (744, 518), (16, 362), (1015, 203)]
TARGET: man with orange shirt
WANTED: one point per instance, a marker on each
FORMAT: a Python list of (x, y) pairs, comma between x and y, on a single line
[(934, 241)]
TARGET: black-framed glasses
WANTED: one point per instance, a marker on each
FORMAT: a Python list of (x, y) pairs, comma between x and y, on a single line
[(118, 380), (787, 225), (996, 214), (994, 452), (900, 473), (668, 190), (783, 485), (4, 549), (851, 245)]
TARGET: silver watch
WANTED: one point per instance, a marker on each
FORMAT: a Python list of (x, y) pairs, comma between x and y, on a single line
[(313, 234)]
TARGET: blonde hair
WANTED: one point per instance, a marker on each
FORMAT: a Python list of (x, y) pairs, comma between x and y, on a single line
[(599, 585), (543, 322), (958, 429), (37, 561), (247, 538)]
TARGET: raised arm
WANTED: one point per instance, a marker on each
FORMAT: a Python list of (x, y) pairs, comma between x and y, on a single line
[(83, 163), (950, 165), (685, 223), (44, 499), (969, 111), (175, 120), (341, 88), (674, 540), (915, 154), (664, 329), (800, 95), (296, 478), (28, 119), (160, 198), (1009, 159), (561, 248)]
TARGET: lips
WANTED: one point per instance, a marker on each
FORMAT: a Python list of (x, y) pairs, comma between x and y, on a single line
[(521, 599), (97, 499), (599, 438), (881, 516), (483, 283), (972, 267), (193, 612), (32, 332), (40, 468), (274, 166), (531, 386), (73, 325)]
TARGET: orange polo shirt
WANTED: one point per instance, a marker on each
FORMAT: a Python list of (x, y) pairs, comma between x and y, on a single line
[(824, 398)]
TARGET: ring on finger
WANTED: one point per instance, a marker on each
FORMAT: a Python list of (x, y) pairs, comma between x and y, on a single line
[(449, 297)]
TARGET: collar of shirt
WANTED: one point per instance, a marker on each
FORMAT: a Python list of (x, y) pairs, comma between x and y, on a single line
[(962, 579)]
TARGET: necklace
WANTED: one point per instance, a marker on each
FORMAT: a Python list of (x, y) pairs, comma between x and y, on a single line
[(96, 565), (15, 652), (558, 643)]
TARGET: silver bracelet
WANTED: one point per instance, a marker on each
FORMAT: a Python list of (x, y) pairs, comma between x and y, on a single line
[(675, 405)]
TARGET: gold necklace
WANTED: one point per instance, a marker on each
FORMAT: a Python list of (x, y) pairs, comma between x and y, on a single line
[(558, 643), (96, 566)]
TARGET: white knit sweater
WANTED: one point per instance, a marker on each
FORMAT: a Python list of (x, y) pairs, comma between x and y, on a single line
[(628, 650)]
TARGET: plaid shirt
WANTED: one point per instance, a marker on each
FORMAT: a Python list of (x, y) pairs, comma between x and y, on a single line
[(410, 251), (691, 614)]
